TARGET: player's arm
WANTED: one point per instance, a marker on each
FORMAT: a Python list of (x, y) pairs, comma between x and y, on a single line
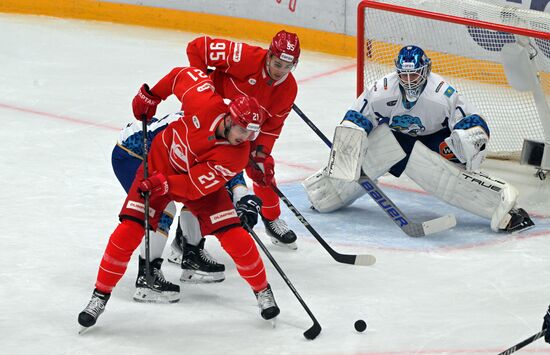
[(201, 180), (469, 134)]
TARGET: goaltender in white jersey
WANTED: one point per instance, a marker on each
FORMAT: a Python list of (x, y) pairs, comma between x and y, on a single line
[(413, 121)]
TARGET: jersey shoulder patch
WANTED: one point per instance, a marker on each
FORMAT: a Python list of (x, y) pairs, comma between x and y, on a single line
[(449, 91)]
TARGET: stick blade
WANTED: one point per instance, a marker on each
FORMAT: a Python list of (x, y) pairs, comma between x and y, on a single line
[(313, 332), (365, 260), (439, 224)]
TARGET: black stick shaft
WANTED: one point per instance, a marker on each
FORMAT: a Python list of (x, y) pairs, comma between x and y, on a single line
[(527, 341), (148, 276), (312, 332)]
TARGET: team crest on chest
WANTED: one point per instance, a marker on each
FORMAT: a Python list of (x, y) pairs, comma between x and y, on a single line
[(178, 154), (407, 124)]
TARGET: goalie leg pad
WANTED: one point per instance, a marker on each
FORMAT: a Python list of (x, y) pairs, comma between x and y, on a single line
[(327, 194), (348, 151), (477, 193), (383, 152)]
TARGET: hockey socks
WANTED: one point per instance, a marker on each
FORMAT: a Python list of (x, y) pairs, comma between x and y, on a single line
[(122, 243), (270, 202), (240, 246)]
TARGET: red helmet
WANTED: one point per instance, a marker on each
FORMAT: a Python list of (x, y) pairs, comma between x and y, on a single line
[(286, 46), (246, 112)]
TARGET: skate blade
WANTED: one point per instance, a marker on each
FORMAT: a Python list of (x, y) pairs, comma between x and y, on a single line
[(83, 330), (151, 296), (196, 277), (291, 246)]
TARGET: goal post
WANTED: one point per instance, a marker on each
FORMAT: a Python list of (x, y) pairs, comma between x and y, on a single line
[(497, 56)]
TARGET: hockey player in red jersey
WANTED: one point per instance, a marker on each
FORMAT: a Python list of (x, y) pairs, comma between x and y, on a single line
[(265, 74), (190, 162)]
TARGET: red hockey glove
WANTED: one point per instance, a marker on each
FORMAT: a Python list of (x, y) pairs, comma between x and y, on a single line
[(263, 177), (145, 103), (156, 185)]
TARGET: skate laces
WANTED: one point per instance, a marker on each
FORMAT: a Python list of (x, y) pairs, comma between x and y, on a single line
[(95, 306), (279, 226), (159, 276), (207, 257), (265, 298)]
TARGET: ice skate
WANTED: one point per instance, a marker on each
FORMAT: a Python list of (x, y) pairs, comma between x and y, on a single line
[(198, 266), (266, 302), (96, 306), (518, 221), (162, 291), (280, 234), (176, 249)]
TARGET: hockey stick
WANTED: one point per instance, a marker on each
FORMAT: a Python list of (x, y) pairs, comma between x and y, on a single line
[(527, 341), (148, 277), (412, 229), (352, 259), (315, 329)]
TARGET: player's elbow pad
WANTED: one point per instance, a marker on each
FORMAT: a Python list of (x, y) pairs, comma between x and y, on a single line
[(357, 119)]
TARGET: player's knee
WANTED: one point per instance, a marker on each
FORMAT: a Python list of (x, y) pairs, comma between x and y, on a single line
[(128, 235), (236, 241)]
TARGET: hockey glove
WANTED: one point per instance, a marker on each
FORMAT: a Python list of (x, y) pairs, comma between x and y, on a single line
[(156, 185), (546, 325), (248, 208), (263, 176), (469, 146), (145, 103)]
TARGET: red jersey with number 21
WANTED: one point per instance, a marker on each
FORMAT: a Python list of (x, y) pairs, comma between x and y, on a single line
[(195, 162)]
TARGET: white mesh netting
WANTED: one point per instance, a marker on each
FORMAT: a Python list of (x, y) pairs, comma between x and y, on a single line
[(468, 56)]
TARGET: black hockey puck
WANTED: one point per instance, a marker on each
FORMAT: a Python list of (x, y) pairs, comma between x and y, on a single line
[(360, 325)]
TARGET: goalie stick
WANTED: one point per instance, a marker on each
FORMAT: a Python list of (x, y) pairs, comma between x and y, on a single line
[(315, 329), (352, 259), (527, 341), (412, 229)]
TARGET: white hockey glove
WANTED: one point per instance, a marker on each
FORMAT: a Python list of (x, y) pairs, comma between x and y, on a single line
[(469, 146)]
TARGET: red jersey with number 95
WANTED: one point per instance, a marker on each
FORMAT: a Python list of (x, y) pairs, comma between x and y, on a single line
[(240, 69), (187, 152)]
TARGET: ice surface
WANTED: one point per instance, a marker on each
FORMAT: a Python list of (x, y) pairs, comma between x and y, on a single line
[(66, 91)]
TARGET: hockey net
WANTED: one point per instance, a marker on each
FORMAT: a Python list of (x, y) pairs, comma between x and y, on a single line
[(464, 40)]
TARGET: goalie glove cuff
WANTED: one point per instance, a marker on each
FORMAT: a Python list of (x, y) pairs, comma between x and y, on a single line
[(358, 120)]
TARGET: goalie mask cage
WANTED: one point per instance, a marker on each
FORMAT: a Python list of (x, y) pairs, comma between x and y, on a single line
[(464, 40)]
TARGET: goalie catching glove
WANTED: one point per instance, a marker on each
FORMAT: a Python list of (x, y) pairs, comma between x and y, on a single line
[(248, 208), (468, 141)]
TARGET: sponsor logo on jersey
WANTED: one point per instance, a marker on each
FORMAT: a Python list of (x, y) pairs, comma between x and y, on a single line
[(391, 103), (237, 52), (407, 124), (446, 152), (439, 86), (196, 122), (450, 90), (252, 81), (385, 83), (140, 207), (223, 215)]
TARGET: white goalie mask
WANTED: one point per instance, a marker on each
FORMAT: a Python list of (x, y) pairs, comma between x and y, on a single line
[(413, 67)]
